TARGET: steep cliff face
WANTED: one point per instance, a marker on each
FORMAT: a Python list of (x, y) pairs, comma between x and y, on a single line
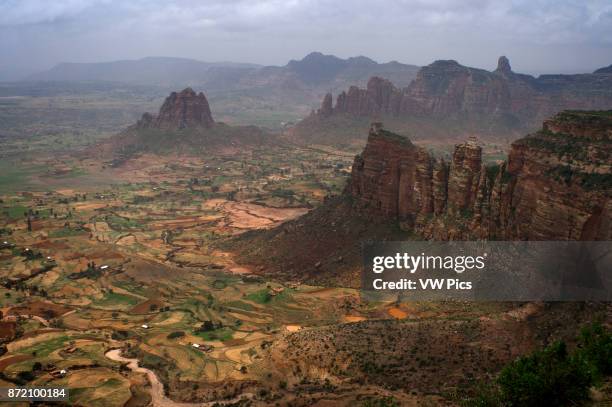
[(556, 184), (185, 109), (481, 101)]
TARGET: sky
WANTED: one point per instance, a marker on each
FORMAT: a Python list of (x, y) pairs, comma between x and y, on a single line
[(539, 36)]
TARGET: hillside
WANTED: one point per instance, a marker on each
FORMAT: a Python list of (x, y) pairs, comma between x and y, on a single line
[(555, 185)]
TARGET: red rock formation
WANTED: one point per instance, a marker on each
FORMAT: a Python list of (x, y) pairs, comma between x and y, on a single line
[(326, 109), (557, 184), (186, 109), (503, 66), (446, 89), (384, 177), (464, 177)]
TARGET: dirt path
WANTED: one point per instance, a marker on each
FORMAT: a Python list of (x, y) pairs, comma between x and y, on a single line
[(158, 397)]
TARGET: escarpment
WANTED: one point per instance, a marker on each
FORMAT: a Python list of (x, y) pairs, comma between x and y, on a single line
[(556, 184), (449, 100)]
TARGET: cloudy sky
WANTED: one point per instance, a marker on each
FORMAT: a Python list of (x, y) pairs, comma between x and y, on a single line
[(539, 36)]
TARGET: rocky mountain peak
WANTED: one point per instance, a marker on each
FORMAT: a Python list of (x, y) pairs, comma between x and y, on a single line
[(604, 70), (326, 109), (185, 109), (503, 65)]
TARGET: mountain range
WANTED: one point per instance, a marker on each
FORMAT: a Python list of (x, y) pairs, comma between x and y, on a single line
[(443, 100), (242, 93), (450, 100), (315, 69)]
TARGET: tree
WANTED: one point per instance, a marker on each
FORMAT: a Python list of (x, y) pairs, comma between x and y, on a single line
[(552, 376), (548, 377), (207, 326), (176, 334)]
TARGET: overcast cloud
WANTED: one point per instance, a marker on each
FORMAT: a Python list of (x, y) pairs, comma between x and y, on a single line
[(539, 36)]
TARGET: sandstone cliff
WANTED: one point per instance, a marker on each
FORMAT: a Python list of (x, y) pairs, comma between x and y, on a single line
[(452, 98), (186, 109), (556, 184)]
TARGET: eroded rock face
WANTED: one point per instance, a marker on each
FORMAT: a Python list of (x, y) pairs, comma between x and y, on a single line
[(186, 109), (326, 107), (557, 184), (447, 90), (384, 176)]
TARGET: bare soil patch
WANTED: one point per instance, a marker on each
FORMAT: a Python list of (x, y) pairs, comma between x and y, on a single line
[(145, 307), (41, 309)]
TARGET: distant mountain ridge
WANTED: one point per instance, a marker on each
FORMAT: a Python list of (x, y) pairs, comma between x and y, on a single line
[(606, 69), (148, 70), (314, 69), (265, 95), (271, 96), (453, 99)]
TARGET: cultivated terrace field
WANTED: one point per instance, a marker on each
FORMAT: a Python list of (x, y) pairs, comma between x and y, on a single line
[(95, 257), (112, 285)]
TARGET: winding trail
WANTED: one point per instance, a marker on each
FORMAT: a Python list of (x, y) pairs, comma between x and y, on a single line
[(158, 397)]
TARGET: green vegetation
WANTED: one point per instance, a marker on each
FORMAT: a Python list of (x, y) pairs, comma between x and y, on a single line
[(121, 223), (381, 402), (492, 172), (45, 348), (176, 335), (15, 211), (219, 284), (66, 232), (260, 297), (220, 334), (589, 181), (15, 175), (552, 376), (112, 299)]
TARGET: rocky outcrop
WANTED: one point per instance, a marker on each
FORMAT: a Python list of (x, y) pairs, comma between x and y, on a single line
[(186, 109), (326, 109), (446, 90), (556, 184), (503, 66), (183, 125), (604, 70)]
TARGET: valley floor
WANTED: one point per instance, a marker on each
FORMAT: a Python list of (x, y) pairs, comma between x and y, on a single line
[(102, 266)]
